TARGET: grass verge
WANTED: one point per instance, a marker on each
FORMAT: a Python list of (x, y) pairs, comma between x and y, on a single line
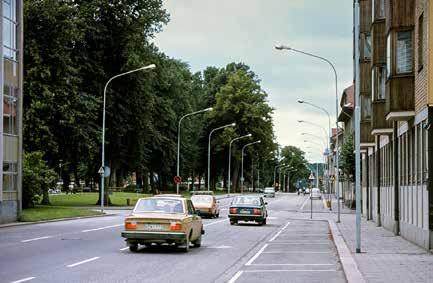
[(43, 212), (90, 199)]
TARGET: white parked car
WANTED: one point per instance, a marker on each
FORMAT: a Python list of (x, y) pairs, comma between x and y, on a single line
[(269, 192), (307, 191), (315, 193)]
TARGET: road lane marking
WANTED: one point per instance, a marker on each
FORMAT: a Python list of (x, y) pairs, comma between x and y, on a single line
[(123, 249), (256, 255), (216, 222), (84, 261), (102, 228), (279, 232), (292, 264), (235, 277), (294, 252), (219, 247), (299, 243), (36, 239), (24, 280), (292, 270), (303, 204)]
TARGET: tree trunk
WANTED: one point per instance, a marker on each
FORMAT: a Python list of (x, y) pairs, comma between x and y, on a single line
[(45, 197)]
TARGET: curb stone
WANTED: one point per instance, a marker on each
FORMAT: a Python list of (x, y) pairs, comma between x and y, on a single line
[(353, 275)]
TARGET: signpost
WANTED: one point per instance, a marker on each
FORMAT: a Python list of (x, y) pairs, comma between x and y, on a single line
[(177, 179)]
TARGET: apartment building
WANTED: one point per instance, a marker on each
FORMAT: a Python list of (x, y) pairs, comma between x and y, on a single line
[(396, 96), (11, 109)]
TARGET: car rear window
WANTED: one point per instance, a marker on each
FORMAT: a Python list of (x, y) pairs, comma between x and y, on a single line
[(269, 190), (201, 199), (246, 200), (161, 205)]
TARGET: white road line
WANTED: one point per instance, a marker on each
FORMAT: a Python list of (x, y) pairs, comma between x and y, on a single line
[(256, 255), (293, 270), (101, 228), (294, 252), (305, 202), (24, 280), (279, 232), (84, 261), (292, 264), (122, 249), (299, 243), (235, 277), (35, 239), (216, 222)]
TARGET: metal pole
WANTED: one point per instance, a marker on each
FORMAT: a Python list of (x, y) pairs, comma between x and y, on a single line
[(230, 158), (102, 169), (178, 140), (242, 163), (357, 134), (258, 175), (208, 151)]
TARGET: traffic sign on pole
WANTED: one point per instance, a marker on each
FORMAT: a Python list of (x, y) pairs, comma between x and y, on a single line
[(177, 179)]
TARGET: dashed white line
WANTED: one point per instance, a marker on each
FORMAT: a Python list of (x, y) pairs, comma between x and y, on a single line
[(256, 255), (216, 222), (292, 270), (279, 232), (101, 228), (24, 280), (294, 252), (36, 239), (235, 277), (292, 264), (123, 249), (84, 261)]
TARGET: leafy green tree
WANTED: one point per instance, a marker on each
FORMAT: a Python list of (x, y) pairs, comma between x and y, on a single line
[(295, 157), (348, 158)]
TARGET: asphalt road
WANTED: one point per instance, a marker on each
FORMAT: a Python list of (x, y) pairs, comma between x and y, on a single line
[(289, 248)]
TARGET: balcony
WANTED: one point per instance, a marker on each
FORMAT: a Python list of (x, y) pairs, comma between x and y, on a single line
[(365, 13), (399, 13), (400, 98), (367, 139), (379, 125), (378, 42)]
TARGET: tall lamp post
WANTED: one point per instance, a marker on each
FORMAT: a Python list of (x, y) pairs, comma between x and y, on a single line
[(102, 169), (178, 139), (208, 150), (275, 172), (242, 163), (289, 170), (230, 158), (283, 47)]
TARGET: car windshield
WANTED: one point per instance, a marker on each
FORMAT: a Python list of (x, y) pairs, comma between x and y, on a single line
[(163, 205), (269, 190), (201, 199), (246, 200), (316, 190)]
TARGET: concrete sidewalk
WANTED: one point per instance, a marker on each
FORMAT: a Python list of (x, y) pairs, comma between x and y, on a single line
[(384, 257)]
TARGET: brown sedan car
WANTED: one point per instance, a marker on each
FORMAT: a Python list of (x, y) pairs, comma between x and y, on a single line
[(163, 219)]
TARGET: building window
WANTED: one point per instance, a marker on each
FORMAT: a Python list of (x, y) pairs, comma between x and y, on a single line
[(9, 29), (378, 81), (10, 101), (10, 174), (388, 55), (420, 41), (404, 52), (366, 46), (378, 9), (366, 107)]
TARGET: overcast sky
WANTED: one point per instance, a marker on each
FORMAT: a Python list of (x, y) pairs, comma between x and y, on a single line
[(216, 32)]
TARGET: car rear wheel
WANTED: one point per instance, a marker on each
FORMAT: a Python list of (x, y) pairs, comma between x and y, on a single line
[(233, 222), (185, 245), (133, 247), (197, 242)]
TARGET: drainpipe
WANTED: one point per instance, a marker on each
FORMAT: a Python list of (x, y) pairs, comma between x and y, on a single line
[(378, 163), (396, 184)]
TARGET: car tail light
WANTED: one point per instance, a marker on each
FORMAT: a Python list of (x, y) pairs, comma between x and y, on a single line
[(257, 211), (174, 226), (130, 225), (233, 210)]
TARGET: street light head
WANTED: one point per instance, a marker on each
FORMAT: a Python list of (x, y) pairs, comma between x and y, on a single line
[(249, 135), (281, 47), (300, 101), (300, 121), (233, 124), (259, 141), (209, 109), (151, 66)]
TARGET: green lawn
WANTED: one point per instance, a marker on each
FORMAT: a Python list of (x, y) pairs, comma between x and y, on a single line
[(90, 199), (43, 212)]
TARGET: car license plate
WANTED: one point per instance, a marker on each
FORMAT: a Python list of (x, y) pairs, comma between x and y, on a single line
[(245, 211), (153, 227)]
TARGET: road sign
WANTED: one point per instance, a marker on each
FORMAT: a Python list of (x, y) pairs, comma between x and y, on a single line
[(107, 171), (177, 179), (242, 179), (311, 177), (101, 170)]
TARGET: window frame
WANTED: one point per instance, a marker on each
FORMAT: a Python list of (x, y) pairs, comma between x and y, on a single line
[(396, 59), (420, 42)]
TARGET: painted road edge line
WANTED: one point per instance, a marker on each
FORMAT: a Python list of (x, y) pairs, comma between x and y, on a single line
[(216, 222), (292, 270), (101, 228), (36, 239), (347, 261), (24, 280), (123, 249), (279, 232), (235, 277), (256, 255), (83, 261)]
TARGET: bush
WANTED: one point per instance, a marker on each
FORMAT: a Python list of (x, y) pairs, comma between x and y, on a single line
[(37, 179)]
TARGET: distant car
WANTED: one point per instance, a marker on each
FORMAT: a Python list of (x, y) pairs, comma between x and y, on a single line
[(248, 208), (206, 205), (300, 191), (54, 191), (315, 193), (163, 219), (269, 192), (307, 191)]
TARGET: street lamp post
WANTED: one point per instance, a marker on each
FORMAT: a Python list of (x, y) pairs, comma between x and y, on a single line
[(208, 151), (242, 163), (337, 157), (275, 172), (230, 157), (102, 169), (178, 140)]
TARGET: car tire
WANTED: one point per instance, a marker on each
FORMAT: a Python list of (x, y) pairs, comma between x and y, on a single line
[(133, 248), (217, 215), (185, 245), (233, 222), (264, 222), (197, 242)]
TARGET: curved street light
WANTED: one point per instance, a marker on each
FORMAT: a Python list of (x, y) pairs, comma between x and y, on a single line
[(102, 169), (314, 136), (208, 151), (230, 156), (337, 157), (178, 139), (242, 164)]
